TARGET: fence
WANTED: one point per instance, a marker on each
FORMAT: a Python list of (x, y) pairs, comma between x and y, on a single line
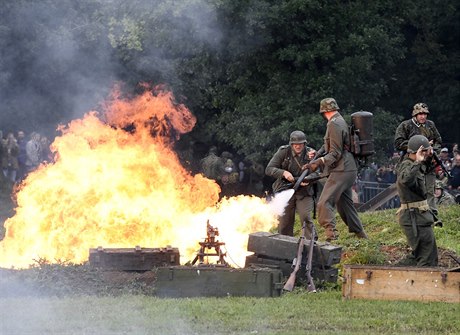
[(367, 190)]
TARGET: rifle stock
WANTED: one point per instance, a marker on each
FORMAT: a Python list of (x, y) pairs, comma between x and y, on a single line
[(311, 285), (441, 164), (289, 285)]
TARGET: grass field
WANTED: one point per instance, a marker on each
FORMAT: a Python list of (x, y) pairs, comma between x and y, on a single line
[(72, 299), (294, 313)]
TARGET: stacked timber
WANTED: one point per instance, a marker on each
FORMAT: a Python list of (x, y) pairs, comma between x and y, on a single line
[(279, 251)]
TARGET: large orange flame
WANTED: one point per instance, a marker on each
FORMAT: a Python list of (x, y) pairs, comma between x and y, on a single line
[(117, 183)]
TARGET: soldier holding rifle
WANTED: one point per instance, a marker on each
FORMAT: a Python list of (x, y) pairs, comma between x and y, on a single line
[(414, 214), (288, 163), (420, 125)]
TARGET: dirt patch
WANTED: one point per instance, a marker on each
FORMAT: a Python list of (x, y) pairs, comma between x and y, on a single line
[(394, 254)]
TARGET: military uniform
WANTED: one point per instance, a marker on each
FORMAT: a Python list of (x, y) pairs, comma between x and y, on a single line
[(445, 199), (340, 164), (302, 200), (404, 132), (415, 217)]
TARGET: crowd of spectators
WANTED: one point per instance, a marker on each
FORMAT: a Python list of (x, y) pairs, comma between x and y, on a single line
[(20, 155), (374, 178)]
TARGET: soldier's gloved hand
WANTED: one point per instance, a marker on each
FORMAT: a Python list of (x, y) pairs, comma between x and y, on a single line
[(314, 165)]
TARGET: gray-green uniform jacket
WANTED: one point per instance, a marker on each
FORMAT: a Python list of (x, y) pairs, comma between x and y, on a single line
[(284, 160), (336, 142), (415, 216), (409, 128)]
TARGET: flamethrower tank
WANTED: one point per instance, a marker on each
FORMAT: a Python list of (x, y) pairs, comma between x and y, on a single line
[(362, 134)]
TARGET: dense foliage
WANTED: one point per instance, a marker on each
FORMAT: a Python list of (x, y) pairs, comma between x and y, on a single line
[(252, 71)]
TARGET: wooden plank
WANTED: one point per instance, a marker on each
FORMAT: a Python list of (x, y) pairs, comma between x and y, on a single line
[(207, 281), (284, 247), (400, 283)]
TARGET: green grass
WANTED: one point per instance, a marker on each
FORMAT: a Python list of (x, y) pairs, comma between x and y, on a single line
[(75, 299), (295, 313)]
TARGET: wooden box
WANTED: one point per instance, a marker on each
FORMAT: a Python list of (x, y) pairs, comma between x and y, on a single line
[(133, 259), (283, 247), (323, 274), (400, 283), (209, 281)]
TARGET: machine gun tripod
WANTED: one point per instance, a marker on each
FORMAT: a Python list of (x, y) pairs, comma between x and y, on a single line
[(210, 242)]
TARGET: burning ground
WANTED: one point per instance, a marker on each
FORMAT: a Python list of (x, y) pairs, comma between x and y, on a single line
[(116, 182)]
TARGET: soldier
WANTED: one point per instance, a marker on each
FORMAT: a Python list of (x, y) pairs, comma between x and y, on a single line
[(287, 163), (420, 125), (211, 165), (415, 217), (441, 196), (340, 164)]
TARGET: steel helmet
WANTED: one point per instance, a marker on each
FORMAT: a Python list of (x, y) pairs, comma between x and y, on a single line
[(416, 142), (328, 105), (420, 108), (297, 136)]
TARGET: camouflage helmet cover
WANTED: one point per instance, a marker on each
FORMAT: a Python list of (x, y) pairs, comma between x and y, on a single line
[(438, 184), (328, 105), (415, 142), (297, 137), (420, 108)]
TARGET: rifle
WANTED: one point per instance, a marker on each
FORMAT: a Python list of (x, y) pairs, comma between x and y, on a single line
[(303, 177), (297, 262), (311, 285), (297, 180), (441, 164)]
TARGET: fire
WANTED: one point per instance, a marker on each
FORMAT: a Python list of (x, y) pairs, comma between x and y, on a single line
[(116, 182)]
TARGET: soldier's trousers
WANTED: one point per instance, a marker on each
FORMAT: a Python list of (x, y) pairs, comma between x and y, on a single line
[(337, 192), (423, 245), (304, 206)]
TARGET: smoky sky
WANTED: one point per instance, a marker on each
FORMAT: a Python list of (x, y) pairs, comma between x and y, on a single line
[(60, 58)]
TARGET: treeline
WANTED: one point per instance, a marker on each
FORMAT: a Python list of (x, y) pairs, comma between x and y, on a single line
[(251, 71)]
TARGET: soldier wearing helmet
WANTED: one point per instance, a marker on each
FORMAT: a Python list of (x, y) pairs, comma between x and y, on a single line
[(441, 196), (286, 164), (414, 215), (341, 166), (420, 125)]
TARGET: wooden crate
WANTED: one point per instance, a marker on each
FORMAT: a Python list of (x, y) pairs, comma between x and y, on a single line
[(209, 281), (283, 247), (133, 259), (401, 283), (323, 274)]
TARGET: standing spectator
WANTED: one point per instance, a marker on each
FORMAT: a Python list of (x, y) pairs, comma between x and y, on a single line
[(22, 155), (420, 125), (287, 163), (445, 159), (414, 215), (33, 152), (340, 164), (10, 157), (455, 149), (454, 182), (45, 151)]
